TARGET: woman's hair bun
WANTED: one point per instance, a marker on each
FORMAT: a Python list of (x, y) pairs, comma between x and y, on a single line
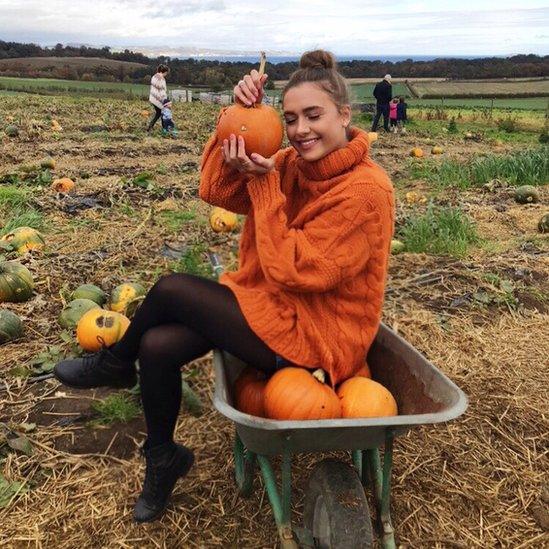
[(317, 59)]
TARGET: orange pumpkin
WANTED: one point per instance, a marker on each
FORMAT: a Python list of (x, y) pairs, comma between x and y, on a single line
[(363, 397), (364, 371), (249, 389), (100, 328), (296, 393), (416, 152), (259, 125), (63, 185)]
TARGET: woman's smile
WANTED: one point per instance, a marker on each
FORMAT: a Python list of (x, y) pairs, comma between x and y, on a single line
[(308, 144)]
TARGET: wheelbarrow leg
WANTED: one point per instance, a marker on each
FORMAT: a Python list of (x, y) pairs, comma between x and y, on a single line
[(244, 465), (381, 480), (280, 502)]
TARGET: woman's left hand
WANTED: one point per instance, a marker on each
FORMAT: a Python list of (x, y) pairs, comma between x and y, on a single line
[(234, 153)]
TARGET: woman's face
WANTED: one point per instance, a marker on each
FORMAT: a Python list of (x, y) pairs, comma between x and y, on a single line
[(314, 124)]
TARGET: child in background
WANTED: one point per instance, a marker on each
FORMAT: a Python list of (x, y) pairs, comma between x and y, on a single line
[(168, 126), (393, 114), (401, 114)]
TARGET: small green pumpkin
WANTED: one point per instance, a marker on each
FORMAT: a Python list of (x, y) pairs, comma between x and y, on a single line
[(16, 282), (47, 163), (74, 311), (11, 326), (397, 246), (526, 194), (90, 291), (543, 224), (11, 130)]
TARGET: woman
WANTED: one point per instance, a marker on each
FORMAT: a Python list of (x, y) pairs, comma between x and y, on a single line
[(313, 263), (158, 93)]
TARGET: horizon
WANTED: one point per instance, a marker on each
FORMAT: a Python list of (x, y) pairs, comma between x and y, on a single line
[(184, 52)]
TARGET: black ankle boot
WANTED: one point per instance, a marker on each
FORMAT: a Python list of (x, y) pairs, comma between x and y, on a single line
[(101, 369), (165, 464)]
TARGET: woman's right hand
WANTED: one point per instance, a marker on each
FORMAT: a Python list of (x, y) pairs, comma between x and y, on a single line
[(234, 154), (249, 90)]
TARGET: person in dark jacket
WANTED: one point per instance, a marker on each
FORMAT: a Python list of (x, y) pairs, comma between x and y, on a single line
[(383, 92)]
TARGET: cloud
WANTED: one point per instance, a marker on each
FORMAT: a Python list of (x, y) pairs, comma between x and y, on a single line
[(353, 26)]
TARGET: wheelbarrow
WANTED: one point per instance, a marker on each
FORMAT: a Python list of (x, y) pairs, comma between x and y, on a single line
[(336, 513)]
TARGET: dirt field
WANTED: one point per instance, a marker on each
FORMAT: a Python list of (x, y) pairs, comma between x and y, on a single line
[(480, 481)]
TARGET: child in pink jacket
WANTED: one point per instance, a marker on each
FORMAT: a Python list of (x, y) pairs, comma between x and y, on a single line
[(393, 114)]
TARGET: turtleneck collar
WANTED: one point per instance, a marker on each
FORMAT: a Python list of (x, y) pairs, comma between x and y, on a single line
[(338, 161)]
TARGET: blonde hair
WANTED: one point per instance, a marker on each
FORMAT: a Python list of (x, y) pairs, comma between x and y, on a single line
[(320, 67)]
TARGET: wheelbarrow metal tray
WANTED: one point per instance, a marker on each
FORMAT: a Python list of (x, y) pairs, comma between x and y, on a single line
[(423, 393)]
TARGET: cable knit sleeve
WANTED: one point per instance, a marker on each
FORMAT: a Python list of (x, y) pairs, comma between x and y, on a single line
[(333, 246), (219, 185)]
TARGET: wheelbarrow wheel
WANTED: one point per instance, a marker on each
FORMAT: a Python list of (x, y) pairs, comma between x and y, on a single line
[(336, 511)]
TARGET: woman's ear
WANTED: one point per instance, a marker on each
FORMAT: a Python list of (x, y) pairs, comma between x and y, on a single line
[(345, 115)]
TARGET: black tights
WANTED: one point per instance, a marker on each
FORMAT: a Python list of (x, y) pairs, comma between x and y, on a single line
[(181, 319), (156, 116)]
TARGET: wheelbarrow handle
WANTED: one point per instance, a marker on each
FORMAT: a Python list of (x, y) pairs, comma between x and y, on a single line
[(216, 264)]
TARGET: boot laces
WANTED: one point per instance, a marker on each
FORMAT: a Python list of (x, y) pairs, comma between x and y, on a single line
[(151, 483), (90, 361)]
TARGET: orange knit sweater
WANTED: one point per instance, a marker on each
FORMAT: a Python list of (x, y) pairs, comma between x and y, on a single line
[(313, 252)]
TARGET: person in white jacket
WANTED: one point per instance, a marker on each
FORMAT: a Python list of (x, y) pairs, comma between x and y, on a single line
[(158, 93)]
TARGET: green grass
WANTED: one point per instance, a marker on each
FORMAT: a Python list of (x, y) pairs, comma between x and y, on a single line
[(116, 407), (23, 218), (521, 168), (52, 85), (176, 220), (13, 197), (364, 92), (194, 262), (439, 231)]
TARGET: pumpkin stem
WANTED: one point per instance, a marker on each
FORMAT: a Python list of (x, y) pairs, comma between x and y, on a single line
[(319, 375), (262, 61)]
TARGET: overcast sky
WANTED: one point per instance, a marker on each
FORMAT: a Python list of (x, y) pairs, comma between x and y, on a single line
[(360, 27)]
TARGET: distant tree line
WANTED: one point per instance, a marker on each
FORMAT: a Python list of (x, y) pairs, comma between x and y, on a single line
[(219, 75)]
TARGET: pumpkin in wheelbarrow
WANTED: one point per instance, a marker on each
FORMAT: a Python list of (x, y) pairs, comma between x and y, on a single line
[(363, 397), (249, 390), (299, 394)]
